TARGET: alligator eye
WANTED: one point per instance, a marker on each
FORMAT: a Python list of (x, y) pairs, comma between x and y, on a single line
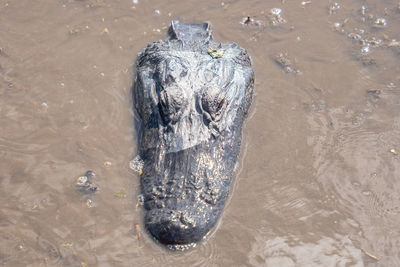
[(172, 103), (213, 102)]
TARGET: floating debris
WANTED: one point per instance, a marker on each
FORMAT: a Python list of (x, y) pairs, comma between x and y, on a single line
[(106, 31), (107, 164), (374, 92), (275, 16), (73, 32), (135, 2), (224, 6), (251, 21), (137, 164), (394, 43), (333, 8), (283, 60), (215, 53), (380, 23), (354, 36), (84, 183), (89, 203), (337, 26), (304, 3), (67, 245), (370, 255), (158, 12), (363, 37), (363, 10), (367, 43), (138, 231), (365, 50), (373, 95), (394, 151), (358, 119), (120, 194), (391, 85), (247, 20), (373, 42), (317, 106)]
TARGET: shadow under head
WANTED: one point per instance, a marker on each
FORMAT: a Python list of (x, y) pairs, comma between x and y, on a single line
[(192, 95)]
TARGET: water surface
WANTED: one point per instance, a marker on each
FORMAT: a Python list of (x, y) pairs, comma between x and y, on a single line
[(319, 176)]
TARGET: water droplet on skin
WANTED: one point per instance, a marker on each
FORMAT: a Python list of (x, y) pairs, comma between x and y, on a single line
[(140, 199), (365, 50), (137, 164)]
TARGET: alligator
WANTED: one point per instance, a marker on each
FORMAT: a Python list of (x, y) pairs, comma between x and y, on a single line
[(192, 96)]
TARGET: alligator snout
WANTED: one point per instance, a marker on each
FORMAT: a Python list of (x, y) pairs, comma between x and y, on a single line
[(179, 227), (184, 192)]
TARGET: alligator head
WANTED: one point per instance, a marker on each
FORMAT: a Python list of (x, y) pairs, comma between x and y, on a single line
[(192, 96)]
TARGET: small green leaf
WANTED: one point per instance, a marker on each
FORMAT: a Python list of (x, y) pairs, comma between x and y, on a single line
[(74, 32), (215, 53)]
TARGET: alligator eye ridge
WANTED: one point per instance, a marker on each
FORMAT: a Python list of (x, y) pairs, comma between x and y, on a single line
[(213, 102), (172, 103)]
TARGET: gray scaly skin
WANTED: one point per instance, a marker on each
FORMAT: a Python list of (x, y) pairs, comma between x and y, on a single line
[(192, 95)]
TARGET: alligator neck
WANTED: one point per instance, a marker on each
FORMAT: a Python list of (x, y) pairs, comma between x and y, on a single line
[(190, 32)]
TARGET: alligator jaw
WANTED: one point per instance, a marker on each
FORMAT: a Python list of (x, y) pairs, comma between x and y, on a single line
[(193, 32)]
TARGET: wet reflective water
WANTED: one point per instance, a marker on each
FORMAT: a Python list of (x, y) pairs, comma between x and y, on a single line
[(319, 182)]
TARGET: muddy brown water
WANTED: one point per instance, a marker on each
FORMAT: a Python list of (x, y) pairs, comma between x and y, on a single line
[(319, 176)]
